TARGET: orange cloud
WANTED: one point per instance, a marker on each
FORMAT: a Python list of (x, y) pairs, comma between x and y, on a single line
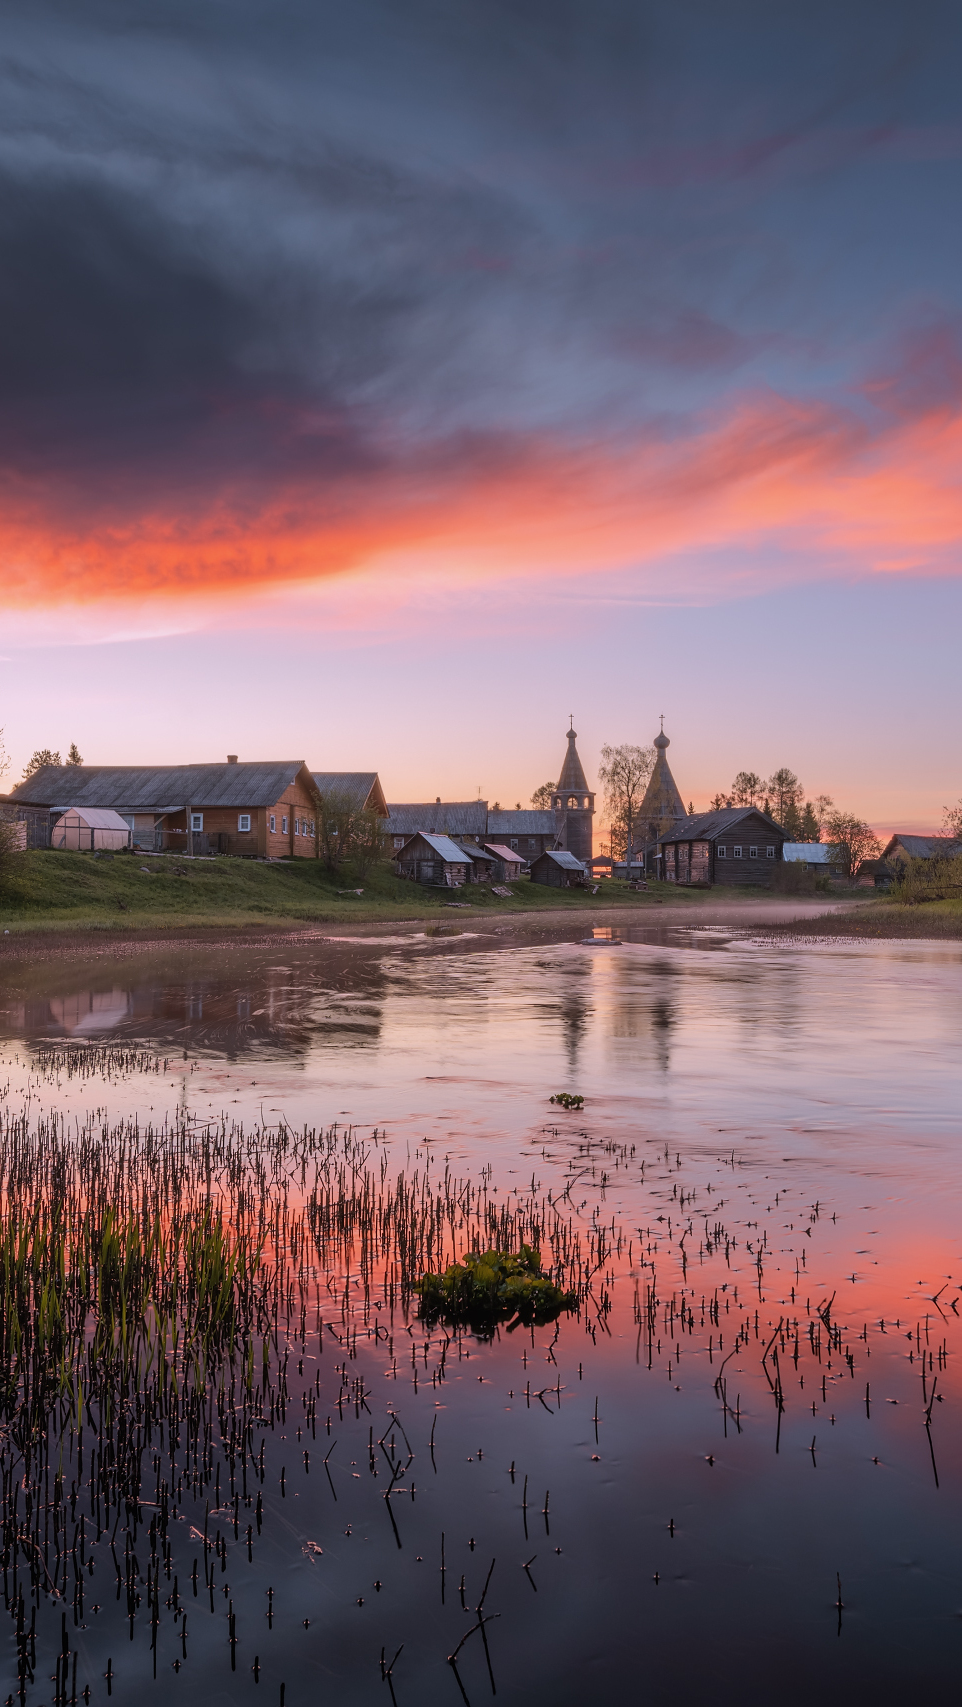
[(832, 485)]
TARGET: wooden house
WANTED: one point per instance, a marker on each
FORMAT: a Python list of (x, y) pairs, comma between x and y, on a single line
[(559, 868), (816, 857), (433, 859), (259, 810), (507, 862), (462, 820), (736, 846), (900, 848)]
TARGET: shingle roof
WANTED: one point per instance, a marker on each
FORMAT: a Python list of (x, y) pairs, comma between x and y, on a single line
[(158, 788), (662, 803), (363, 787), (562, 857), (450, 817), (572, 771), (521, 824), (708, 826)]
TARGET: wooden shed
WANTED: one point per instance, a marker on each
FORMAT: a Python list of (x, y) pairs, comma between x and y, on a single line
[(483, 863), (433, 859), (508, 863), (87, 827), (559, 868)]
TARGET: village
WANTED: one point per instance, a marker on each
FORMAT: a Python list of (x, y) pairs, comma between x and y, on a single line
[(283, 810)]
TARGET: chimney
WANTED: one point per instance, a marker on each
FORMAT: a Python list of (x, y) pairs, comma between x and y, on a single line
[(232, 758)]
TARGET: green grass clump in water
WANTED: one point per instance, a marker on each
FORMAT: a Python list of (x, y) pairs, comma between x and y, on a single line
[(492, 1287)]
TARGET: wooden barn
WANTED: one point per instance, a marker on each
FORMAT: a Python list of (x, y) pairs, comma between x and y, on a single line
[(433, 859), (483, 863), (559, 868), (738, 846), (508, 863)]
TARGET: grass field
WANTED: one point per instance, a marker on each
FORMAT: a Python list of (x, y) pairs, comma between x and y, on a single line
[(58, 891)]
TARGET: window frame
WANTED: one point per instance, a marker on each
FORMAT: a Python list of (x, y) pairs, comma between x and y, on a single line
[(283, 826), (273, 824), (770, 851), (721, 853), (243, 823), (737, 850), (752, 853), (197, 823)]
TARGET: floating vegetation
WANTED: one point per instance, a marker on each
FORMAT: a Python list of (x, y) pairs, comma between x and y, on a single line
[(491, 1287), (565, 1100)]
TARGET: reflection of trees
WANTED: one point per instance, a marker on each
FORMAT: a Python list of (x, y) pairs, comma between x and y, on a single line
[(644, 1012)]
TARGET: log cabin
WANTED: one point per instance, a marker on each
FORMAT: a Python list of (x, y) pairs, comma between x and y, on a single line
[(559, 868), (433, 859), (736, 846)]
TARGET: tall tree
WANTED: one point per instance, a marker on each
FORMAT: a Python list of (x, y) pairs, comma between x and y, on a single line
[(73, 754), (43, 756), (786, 801), (851, 841), (625, 773), (541, 798), (811, 829), (746, 788)]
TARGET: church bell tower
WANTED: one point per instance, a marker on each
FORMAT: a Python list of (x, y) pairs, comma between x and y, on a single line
[(574, 804)]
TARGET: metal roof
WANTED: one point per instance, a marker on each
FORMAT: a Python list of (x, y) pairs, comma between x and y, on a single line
[(562, 857), (450, 817), (362, 787), (813, 853), (442, 846), (158, 788), (474, 852), (521, 824), (922, 847), (708, 826), (96, 818), (510, 854)]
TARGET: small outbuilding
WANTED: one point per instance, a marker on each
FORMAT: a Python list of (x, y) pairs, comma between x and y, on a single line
[(814, 856), (560, 869), (482, 866), (433, 859), (508, 863), (85, 828)]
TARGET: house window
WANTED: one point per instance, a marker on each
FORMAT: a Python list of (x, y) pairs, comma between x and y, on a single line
[(197, 820), (736, 853), (721, 853), (399, 841), (532, 841), (514, 841), (283, 826), (770, 851), (753, 853), (243, 821), (273, 823)]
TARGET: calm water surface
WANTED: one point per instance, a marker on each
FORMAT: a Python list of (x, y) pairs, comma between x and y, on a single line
[(770, 1143)]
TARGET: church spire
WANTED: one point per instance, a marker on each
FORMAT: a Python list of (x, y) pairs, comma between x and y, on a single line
[(662, 804), (572, 771), (574, 803)]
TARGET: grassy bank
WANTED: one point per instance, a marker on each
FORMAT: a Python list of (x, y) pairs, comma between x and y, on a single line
[(56, 891), (884, 918)]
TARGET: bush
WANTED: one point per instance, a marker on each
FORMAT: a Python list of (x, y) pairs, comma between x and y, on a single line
[(791, 878), (928, 880), (492, 1287)]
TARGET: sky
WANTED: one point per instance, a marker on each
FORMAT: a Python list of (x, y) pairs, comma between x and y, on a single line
[(383, 384)]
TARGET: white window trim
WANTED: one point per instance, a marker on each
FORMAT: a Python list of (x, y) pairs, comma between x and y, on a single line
[(197, 822), (737, 851), (720, 853), (273, 824), (243, 823), (770, 851), (753, 853), (283, 826)]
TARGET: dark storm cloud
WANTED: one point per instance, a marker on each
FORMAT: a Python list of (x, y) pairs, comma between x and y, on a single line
[(289, 241)]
